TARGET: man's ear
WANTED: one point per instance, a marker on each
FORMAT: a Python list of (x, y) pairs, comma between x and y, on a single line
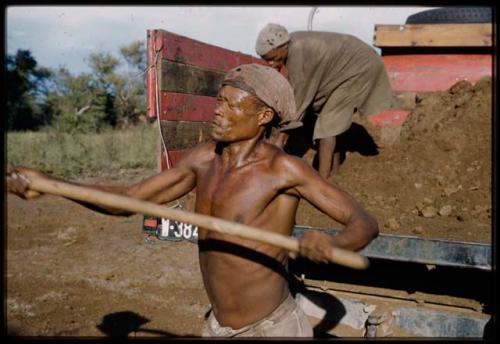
[(285, 47), (266, 116)]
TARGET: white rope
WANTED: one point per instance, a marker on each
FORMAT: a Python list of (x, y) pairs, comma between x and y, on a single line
[(157, 106)]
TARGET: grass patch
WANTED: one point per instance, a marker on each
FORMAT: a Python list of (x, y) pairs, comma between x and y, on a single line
[(70, 155)]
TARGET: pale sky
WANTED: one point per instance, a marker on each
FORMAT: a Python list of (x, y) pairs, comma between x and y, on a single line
[(67, 35)]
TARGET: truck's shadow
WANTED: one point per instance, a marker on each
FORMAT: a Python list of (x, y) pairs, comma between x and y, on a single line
[(122, 324), (412, 278)]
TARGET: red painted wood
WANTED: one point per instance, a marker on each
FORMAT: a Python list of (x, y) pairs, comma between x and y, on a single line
[(189, 51), (435, 72), (186, 107), (150, 76), (391, 117)]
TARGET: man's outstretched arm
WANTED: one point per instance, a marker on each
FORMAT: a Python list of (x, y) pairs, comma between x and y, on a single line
[(360, 227), (160, 188)]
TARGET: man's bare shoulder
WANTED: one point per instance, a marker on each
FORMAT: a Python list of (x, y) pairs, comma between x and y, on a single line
[(205, 148), (199, 155), (285, 163)]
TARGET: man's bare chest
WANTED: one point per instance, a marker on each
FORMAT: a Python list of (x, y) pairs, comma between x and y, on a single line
[(235, 194)]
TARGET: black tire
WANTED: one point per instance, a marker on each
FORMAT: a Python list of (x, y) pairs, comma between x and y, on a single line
[(448, 15)]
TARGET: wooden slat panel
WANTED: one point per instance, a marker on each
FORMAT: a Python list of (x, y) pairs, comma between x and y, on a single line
[(435, 72), (433, 35), (180, 78), (186, 107), (150, 76), (182, 135), (189, 51)]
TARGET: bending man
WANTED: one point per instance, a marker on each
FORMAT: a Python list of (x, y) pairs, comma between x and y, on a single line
[(334, 74)]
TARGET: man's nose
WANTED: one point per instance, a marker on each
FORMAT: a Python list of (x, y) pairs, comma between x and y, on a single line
[(218, 109)]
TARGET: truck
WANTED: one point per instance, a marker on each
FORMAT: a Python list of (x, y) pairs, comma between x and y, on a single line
[(415, 287)]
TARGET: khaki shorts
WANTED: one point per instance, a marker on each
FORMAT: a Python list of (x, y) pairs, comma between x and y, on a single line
[(287, 320)]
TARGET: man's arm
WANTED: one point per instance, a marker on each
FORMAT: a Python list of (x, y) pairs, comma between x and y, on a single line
[(360, 227), (160, 188)]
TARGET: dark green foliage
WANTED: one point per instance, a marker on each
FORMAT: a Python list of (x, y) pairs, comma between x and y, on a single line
[(25, 92), (111, 95)]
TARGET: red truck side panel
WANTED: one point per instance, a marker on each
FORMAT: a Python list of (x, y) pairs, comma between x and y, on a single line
[(435, 72), (189, 51), (186, 107)]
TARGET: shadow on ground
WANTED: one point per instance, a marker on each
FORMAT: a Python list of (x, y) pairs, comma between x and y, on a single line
[(122, 324)]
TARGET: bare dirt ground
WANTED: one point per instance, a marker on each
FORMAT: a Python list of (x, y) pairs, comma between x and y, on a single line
[(72, 272)]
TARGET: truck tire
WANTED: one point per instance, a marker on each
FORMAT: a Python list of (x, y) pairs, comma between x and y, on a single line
[(447, 15)]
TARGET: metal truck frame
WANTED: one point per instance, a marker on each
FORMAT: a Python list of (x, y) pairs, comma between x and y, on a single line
[(415, 287)]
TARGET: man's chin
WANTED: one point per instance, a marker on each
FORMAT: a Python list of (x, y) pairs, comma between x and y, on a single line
[(217, 137)]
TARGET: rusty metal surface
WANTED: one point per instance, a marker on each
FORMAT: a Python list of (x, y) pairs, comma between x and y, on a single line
[(426, 251), (345, 314), (410, 249), (429, 323), (384, 292)]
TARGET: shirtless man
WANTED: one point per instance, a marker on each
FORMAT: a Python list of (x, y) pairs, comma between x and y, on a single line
[(242, 178)]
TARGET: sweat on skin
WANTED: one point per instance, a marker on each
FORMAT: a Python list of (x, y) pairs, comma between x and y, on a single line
[(240, 177)]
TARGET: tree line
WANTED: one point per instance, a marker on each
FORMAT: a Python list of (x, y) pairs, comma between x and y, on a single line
[(112, 95)]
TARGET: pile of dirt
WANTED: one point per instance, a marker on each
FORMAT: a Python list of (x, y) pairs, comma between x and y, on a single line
[(73, 272), (432, 175)]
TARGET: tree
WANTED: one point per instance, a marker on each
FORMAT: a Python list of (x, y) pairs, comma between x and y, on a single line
[(26, 92), (80, 106), (130, 86), (135, 55), (112, 94), (104, 67)]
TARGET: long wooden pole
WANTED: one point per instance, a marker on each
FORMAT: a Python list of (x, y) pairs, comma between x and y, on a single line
[(81, 193)]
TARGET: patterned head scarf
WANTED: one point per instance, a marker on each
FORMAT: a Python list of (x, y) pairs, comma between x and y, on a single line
[(268, 85), (270, 37)]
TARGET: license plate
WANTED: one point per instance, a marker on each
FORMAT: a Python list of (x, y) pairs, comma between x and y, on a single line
[(171, 230), (175, 230)]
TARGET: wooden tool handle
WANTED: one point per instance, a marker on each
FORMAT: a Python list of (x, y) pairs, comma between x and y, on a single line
[(339, 256)]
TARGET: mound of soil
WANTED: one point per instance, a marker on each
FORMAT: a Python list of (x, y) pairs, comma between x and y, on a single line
[(432, 175), (73, 272)]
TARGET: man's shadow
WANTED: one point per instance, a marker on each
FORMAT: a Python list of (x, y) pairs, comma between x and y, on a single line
[(333, 308), (355, 139), (122, 324)]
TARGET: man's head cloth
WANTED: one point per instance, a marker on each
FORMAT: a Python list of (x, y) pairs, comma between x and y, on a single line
[(270, 37), (268, 85)]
